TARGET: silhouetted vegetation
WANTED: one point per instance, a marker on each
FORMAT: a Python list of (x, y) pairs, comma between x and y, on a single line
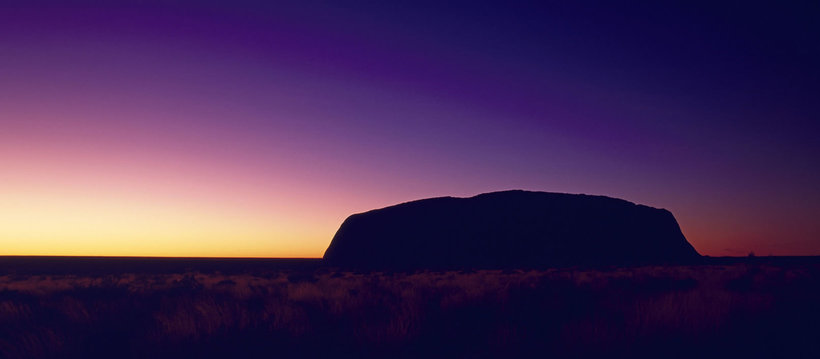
[(735, 310)]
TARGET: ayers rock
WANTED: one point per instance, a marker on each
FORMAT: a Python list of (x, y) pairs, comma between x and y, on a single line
[(509, 229)]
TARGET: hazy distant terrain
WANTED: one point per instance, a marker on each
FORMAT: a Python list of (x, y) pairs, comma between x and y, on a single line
[(745, 309)]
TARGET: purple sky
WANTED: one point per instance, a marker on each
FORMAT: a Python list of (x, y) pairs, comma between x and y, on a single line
[(276, 121)]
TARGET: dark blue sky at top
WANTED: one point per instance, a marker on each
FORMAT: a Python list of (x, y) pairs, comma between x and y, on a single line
[(740, 72)]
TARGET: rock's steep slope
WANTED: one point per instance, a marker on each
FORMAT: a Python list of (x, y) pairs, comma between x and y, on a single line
[(509, 229)]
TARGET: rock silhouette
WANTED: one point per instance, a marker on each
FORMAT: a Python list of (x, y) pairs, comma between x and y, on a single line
[(509, 229)]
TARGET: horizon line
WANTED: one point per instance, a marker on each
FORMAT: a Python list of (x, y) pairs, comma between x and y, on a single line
[(147, 257)]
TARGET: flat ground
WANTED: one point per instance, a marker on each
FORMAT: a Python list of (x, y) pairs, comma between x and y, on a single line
[(743, 309)]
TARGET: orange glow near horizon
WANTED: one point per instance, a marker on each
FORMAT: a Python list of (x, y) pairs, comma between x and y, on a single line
[(65, 203), (88, 224), (83, 221)]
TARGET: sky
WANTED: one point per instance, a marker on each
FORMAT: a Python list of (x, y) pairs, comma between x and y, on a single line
[(253, 129)]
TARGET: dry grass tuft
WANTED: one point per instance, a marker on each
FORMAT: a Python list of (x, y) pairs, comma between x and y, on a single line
[(643, 311)]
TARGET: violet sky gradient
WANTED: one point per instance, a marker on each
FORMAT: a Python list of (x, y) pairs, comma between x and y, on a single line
[(238, 128)]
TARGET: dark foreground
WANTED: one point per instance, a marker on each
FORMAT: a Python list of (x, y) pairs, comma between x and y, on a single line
[(729, 308)]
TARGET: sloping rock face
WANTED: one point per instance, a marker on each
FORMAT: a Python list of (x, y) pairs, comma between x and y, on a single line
[(509, 229)]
